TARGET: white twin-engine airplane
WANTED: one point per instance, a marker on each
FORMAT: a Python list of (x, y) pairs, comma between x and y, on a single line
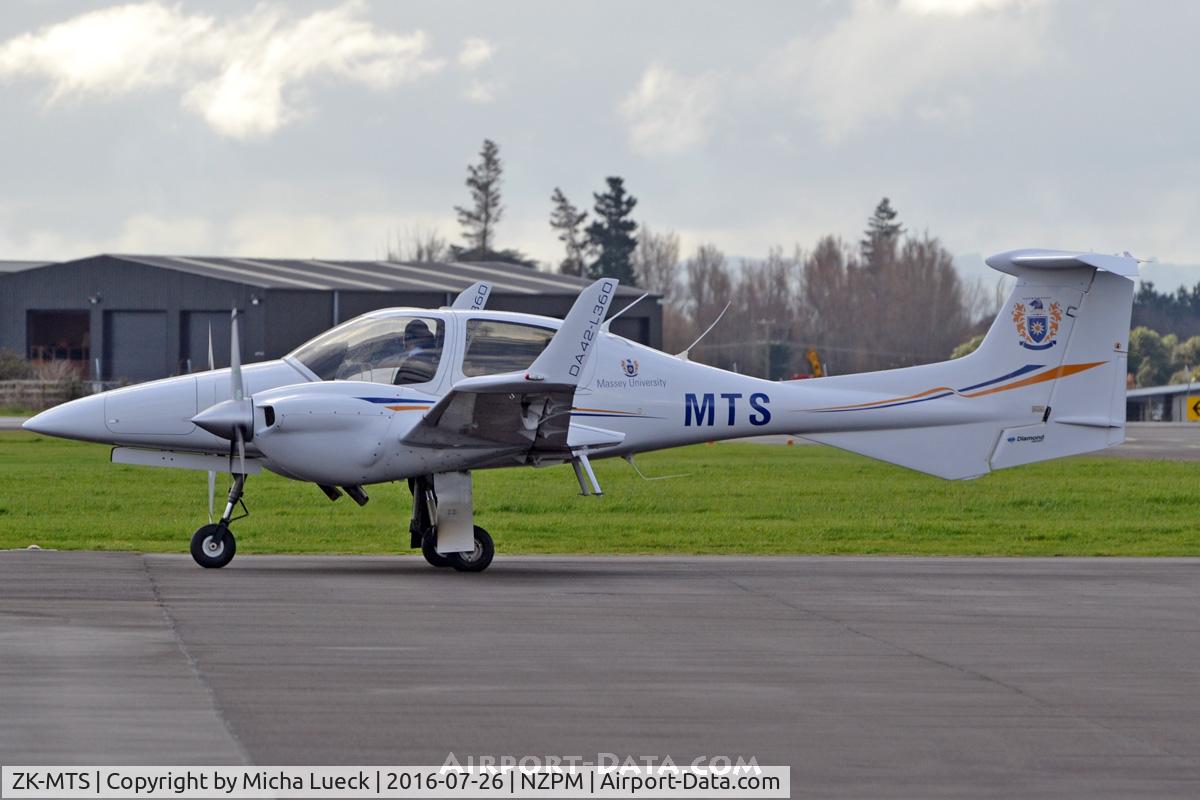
[(428, 396)]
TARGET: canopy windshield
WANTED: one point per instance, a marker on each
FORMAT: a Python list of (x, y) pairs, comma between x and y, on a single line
[(395, 350)]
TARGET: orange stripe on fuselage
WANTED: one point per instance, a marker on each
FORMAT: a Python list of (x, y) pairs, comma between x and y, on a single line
[(916, 396), (408, 408), (1049, 375)]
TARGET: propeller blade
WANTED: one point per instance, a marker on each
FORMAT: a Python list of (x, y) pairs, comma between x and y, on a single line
[(212, 362), (212, 490), (235, 359)]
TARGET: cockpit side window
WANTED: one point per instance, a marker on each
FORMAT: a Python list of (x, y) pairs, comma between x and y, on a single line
[(395, 350), (494, 346)]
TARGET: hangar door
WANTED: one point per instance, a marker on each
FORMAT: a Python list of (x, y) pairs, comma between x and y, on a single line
[(135, 345), (194, 341)]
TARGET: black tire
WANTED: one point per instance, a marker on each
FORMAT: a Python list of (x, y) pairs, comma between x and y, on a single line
[(478, 559), (204, 550), (429, 550)]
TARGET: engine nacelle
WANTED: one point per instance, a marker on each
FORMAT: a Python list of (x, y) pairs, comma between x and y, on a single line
[(318, 433)]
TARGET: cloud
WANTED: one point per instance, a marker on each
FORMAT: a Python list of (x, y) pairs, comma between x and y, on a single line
[(139, 233), (243, 76), (115, 50), (958, 8), (478, 91), (668, 113), (882, 60), (475, 53)]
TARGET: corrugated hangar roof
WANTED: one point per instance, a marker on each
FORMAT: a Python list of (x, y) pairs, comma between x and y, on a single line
[(378, 276), (19, 266)]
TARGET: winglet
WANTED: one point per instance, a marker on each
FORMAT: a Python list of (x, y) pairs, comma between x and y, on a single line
[(563, 360), (473, 298)]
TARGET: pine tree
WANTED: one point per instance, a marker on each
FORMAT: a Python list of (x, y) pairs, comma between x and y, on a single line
[(612, 233), (479, 221), (882, 235), (568, 221)]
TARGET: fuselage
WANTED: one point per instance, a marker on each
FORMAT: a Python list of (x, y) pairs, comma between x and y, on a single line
[(357, 415)]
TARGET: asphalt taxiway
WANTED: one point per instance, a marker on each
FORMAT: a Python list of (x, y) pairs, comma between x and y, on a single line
[(905, 677)]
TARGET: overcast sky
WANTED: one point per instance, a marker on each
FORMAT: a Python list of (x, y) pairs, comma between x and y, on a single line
[(315, 129)]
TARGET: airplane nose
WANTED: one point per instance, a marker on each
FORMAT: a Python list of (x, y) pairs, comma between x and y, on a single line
[(78, 419)]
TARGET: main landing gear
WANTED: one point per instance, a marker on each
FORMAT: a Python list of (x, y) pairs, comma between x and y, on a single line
[(213, 545), (423, 532)]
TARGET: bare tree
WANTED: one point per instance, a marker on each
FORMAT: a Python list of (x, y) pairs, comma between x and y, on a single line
[(767, 309), (656, 263), (427, 245), (709, 287), (930, 314), (828, 300), (420, 245), (912, 310)]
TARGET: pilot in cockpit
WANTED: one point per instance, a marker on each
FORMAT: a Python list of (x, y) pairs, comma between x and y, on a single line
[(420, 354)]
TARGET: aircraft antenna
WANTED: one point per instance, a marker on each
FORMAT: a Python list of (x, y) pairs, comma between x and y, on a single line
[(645, 477), (688, 349), (609, 321)]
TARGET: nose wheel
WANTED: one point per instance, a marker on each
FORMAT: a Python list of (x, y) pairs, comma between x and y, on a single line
[(213, 546)]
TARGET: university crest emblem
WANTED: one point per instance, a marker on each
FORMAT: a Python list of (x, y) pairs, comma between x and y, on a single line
[(629, 367), (1037, 325)]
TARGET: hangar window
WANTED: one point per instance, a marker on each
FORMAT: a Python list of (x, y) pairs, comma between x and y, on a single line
[(494, 346), (395, 350)]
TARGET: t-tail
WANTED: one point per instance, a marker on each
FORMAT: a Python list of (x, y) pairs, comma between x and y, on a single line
[(1047, 381)]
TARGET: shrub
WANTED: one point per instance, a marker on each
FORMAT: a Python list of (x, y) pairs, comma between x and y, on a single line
[(13, 367)]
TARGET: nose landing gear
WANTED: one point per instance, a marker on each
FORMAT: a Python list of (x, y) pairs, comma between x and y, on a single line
[(213, 545)]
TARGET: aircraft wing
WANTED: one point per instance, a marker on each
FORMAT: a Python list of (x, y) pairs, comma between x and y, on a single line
[(528, 412)]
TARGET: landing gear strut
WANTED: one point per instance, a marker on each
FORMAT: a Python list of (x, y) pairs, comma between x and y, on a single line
[(423, 532), (213, 545)]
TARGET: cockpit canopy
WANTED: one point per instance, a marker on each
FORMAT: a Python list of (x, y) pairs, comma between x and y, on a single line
[(395, 350), (407, 349)]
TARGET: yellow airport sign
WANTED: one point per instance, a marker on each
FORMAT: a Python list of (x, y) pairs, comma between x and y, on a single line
[(1193, 408)]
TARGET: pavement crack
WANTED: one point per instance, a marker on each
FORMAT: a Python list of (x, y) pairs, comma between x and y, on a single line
[(192, 663), (964, 670)]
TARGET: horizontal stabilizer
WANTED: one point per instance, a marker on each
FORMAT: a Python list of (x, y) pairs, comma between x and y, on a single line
[(954, 452), (1031, 443), (1013, 261)]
